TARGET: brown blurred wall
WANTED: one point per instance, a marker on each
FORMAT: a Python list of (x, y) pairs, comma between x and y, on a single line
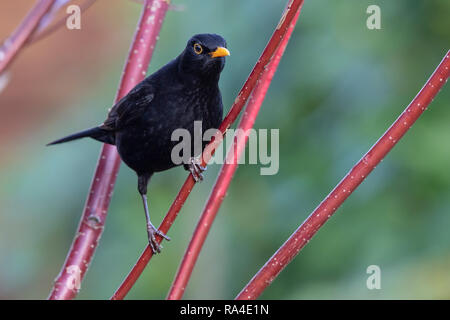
[(57, 69)]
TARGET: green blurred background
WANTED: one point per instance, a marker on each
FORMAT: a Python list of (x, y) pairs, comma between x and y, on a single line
[(337, 90)]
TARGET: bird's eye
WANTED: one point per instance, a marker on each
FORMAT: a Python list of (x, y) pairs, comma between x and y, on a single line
[(198, 48)]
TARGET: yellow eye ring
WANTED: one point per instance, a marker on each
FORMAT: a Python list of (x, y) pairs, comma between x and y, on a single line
[(198, 49)]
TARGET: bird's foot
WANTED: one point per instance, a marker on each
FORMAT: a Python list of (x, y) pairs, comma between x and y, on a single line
[(196, 169), (152, 232)]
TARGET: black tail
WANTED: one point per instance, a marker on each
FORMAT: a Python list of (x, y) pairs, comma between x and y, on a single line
[(95, 133)]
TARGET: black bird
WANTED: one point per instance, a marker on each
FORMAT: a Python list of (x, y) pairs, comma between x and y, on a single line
[(140, 125)]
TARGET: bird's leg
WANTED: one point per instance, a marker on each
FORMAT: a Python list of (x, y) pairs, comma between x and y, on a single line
[(151, 230), (195, 168)]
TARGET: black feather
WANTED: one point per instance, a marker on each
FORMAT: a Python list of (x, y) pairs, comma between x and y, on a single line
[(94, 133)]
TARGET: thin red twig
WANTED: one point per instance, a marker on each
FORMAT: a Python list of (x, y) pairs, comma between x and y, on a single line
[(236, 108), (351, 181), (227, 171), (92, 222), (12, 45)]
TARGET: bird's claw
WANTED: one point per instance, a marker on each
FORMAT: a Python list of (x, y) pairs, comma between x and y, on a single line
[(154, 245), (196, 169)]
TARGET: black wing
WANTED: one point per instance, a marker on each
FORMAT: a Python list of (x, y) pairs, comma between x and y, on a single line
[(129, 108)]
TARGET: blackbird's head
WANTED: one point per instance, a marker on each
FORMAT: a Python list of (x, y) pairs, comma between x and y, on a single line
[(204, 57)]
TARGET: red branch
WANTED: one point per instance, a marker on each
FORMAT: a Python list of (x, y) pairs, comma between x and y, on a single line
[(227, 172), (351, 181), (236, 108), (12, 45), (95, 211)]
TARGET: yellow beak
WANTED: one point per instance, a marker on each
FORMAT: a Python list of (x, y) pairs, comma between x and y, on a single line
[(220, 52)]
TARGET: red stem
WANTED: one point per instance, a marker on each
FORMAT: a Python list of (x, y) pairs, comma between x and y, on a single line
[(351, 181), (95, 211), (236, 108), (12, 45), (227, 172)]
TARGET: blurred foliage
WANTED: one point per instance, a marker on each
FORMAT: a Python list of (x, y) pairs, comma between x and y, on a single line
[(337, 90)]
